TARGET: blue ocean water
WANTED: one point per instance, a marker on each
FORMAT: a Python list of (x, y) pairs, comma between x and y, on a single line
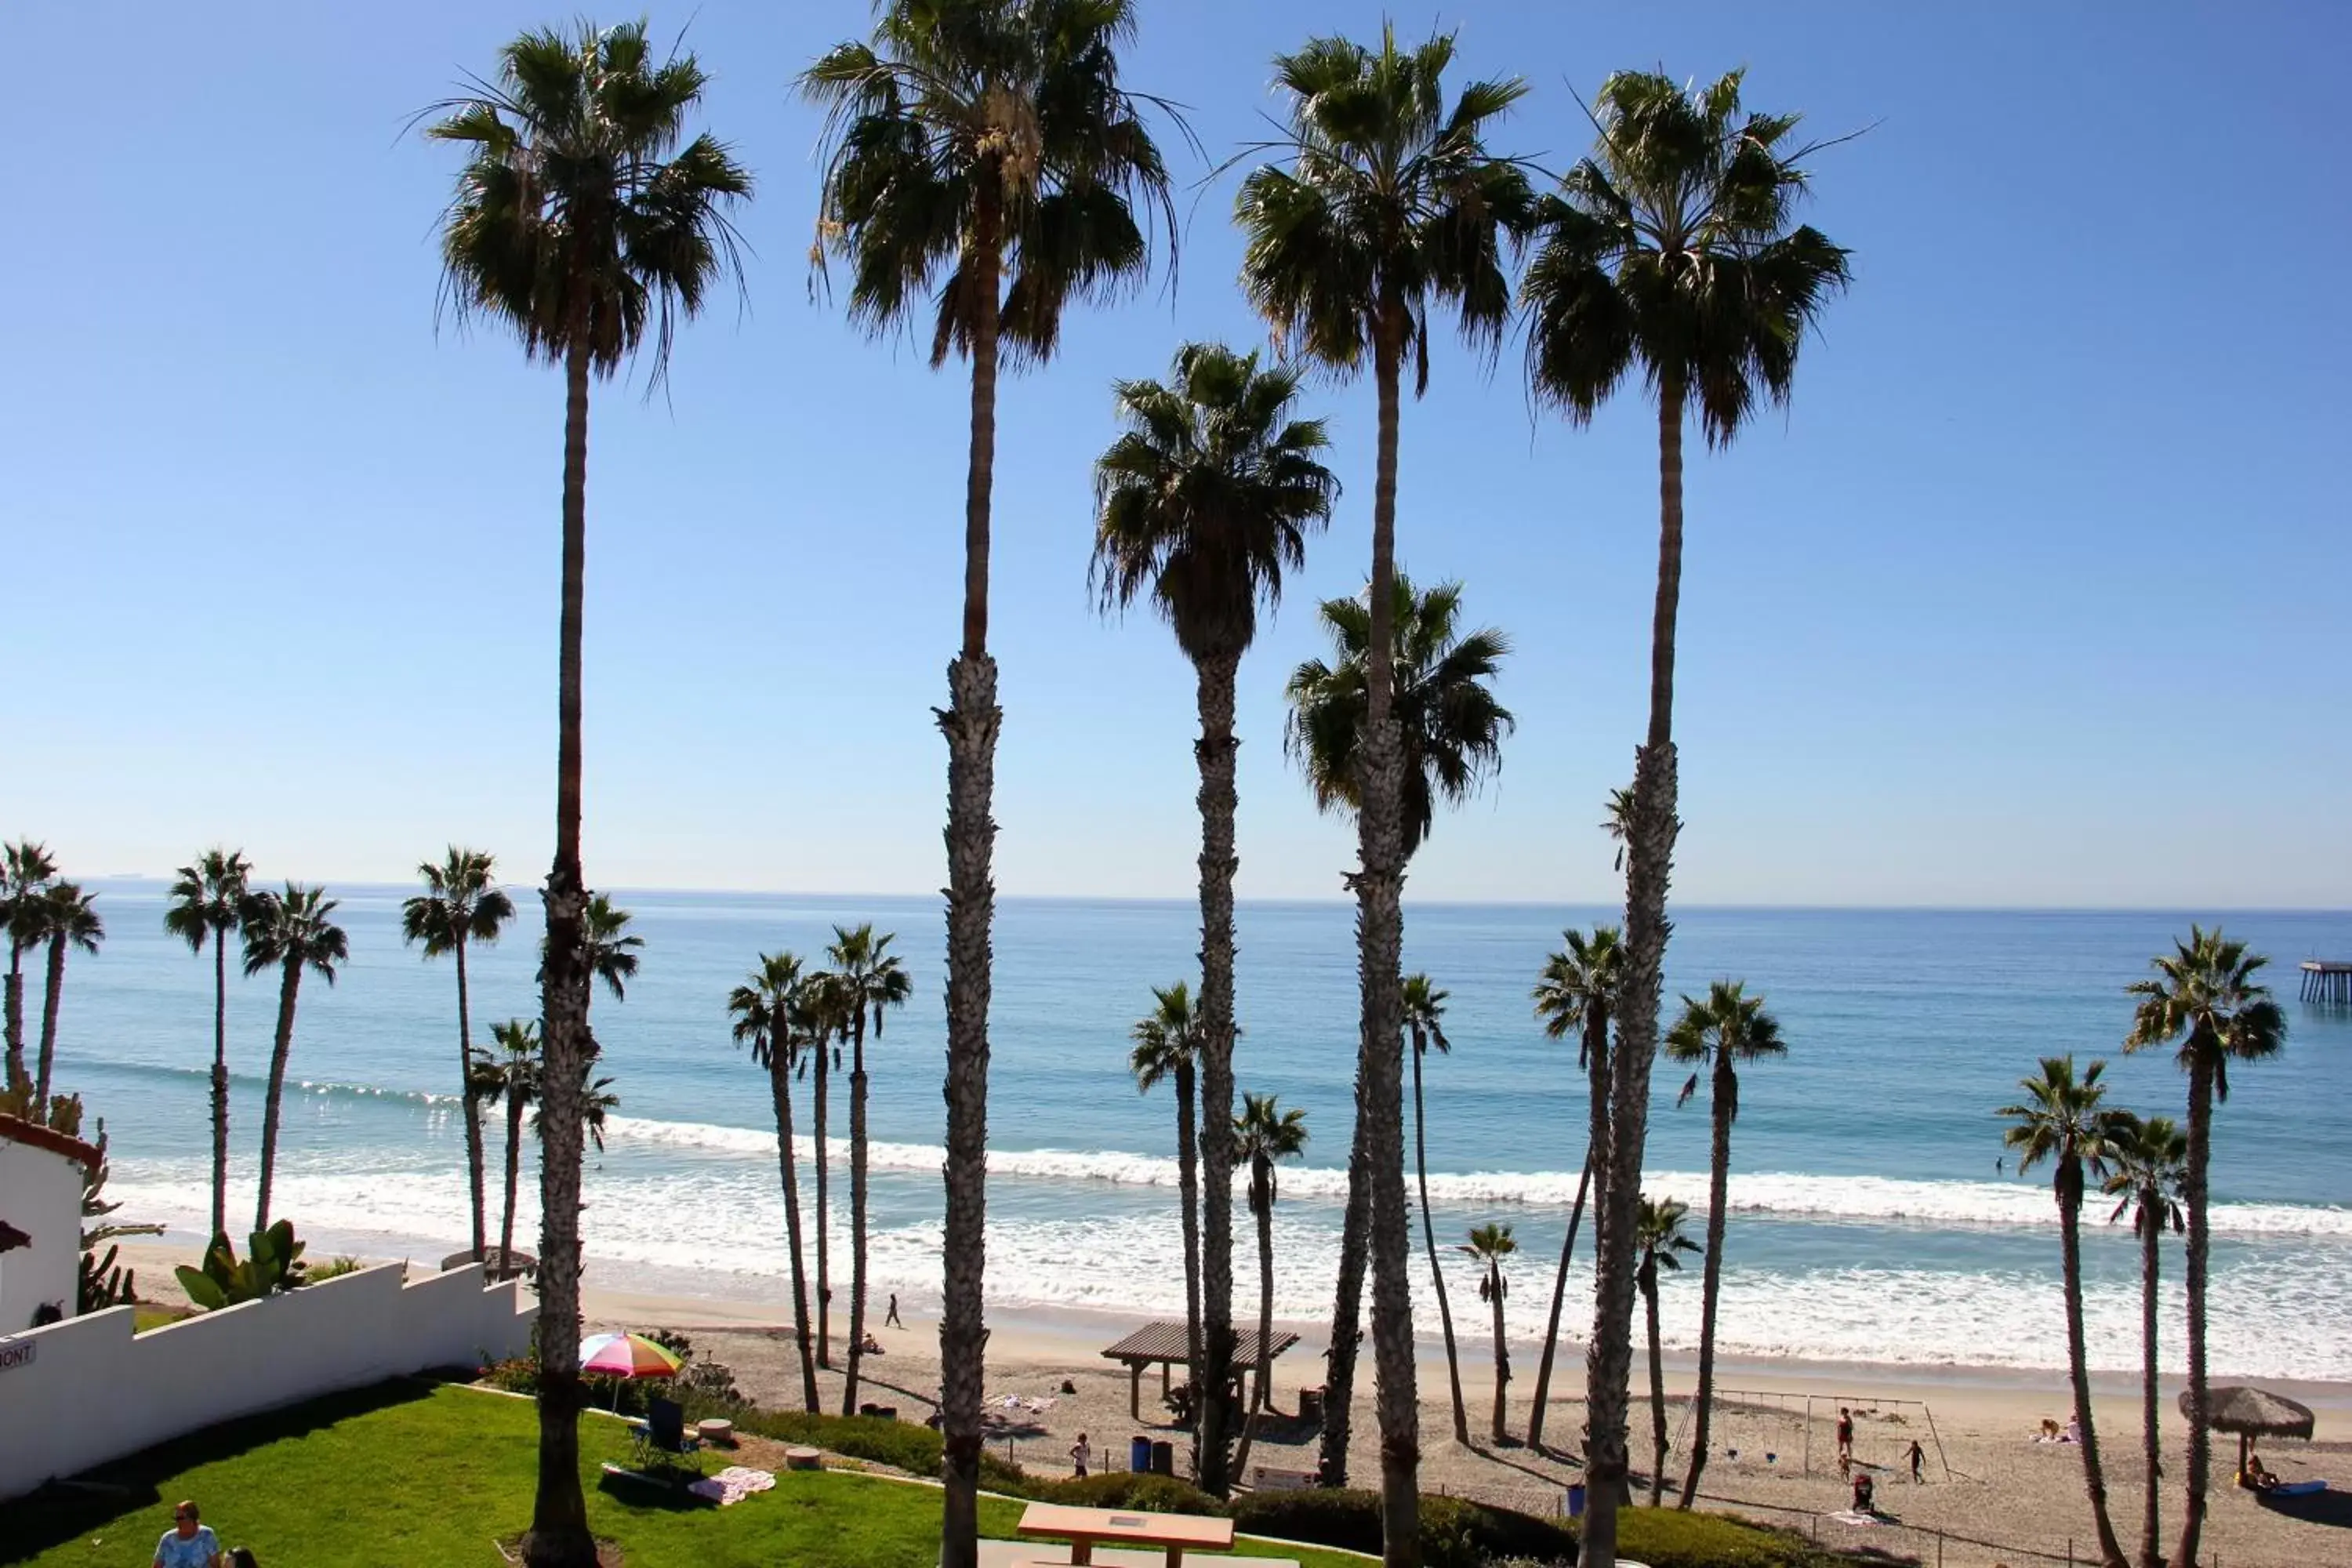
[(1869, 1219)]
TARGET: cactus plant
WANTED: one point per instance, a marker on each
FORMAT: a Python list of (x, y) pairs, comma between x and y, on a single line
[(273, 1263)]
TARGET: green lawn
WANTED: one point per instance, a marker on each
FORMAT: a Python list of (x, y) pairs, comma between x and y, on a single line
[(412, 1473)]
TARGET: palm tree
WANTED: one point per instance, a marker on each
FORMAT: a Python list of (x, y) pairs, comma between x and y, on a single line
[(1670, 248), (610, 952), (1449, 731), (1264, 1135), (26, 871), (1167, 1048), (460, 904), (66, 917), (580, 221), (2060, 1119), (510, 1078), (763, 1006), (1577, 995), (1424, 1014), (291, 930), (2147, 1161), (982, 157), (1658, 1239), (821, 1012), (1203, 502), (1726, 1029), (2205, 995), (1389, 202), (873, 979), (208, 901), (1490, 1244)]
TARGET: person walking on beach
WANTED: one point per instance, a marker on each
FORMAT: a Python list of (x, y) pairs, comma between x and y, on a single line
[(891, 1319), (1918, 1458), (1844, 1436), (1079, 1457)]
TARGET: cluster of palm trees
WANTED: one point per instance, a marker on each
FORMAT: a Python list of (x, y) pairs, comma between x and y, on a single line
[(795, 1020), (40, 911), (984, 164), (2206, 1002)]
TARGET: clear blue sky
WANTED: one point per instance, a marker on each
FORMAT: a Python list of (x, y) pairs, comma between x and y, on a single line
[(2035, 595)]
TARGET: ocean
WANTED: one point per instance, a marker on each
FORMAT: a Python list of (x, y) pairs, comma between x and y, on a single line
[(1869, 1220)]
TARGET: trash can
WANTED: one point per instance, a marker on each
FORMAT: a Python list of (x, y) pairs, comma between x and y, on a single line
[(1310, 1405), (1576, 1500), (1138, 1455), (1163, 1458)]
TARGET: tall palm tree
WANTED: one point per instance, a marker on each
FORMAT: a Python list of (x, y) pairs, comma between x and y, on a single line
[(208, 898), (2061, 1120), (1449, 731), (66, 917), (26, 871), (1201, 502), (1385, 201), (821, 1012), (511, 1078), (1670, 248), (2148, 1159), (1167, 1050), (580, 221), (2205, 996), (460, 904), (291, 930), (1658, 1241), (763, 1007), (1490, 1244), (983, 158), (1425, 1016), (873, 981), (1730, 1027), (1264, 1135), (1577, 995)]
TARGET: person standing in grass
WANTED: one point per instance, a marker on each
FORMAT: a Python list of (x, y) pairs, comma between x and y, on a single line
[(189, 1543)]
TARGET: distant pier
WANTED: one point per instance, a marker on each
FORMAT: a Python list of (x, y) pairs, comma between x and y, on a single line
[(2326, 981)]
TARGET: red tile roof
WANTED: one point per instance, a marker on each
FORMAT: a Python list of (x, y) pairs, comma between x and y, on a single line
[(16, 1129)]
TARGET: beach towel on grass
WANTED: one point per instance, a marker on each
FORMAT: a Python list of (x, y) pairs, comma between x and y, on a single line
[(732, 1485)]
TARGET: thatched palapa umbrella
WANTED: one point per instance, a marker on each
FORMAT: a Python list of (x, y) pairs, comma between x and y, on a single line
[(2252, 1412)]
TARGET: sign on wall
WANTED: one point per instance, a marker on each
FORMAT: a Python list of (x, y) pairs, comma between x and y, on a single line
[(14, 1353)]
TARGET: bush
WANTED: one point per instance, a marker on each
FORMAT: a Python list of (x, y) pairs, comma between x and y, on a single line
[(1124, 1490), (898, 1444), (1454, 1532), (1669, 1538)]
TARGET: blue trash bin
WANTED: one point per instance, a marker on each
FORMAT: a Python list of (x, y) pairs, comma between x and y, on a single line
[(1139, 1456), (1576, 1501)]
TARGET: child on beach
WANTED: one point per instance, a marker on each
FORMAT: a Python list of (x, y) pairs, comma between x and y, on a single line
[(1918, 1458), (1845, 1436), (1078, 1456)]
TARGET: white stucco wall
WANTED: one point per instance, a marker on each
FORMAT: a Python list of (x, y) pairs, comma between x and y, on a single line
[(40, 1195), (92, 1392)]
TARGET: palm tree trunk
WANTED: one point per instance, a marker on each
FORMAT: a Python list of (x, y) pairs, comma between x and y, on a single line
[(1346, 1308), (823, 1215), (54, 987), (1559, 1297), (969, 724), (1188, 1190), (2151, 1233), (1502, 1348), (1596, 1174), (1379, 931), (857, 1210), (1649, 1286), (2078, 1365), (280, 1048), (473, 1161), (514, 1177), (16, 1012), (1723, 1102), (1649, 862), (780, 1087), (2200, 1452), (1214, 679), (1264, 1331), (1437, 1273), (220, 1082), (558, 1534)]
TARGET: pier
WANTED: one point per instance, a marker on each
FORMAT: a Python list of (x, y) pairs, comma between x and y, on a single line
[(2326, 980)]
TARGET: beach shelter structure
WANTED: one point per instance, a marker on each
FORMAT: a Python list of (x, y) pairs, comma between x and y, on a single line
[(2253, 1413), (1170, 1344)]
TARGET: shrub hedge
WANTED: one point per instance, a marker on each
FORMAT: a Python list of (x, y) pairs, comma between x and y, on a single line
[(1669, 1538), (1454, 1532)]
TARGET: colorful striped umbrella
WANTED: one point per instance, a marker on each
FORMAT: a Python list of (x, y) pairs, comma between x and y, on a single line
[(625, 1356)]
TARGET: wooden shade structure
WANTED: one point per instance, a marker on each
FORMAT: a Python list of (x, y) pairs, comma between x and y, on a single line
[(2252, 1412), (1168, 1344)]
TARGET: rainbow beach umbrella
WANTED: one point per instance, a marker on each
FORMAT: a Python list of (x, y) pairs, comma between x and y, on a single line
[(625, 1356)]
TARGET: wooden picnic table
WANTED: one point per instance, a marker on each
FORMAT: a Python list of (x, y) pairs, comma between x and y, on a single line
[(1082, 1527)]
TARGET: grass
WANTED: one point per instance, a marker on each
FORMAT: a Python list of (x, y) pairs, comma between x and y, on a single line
[(410, 1472)]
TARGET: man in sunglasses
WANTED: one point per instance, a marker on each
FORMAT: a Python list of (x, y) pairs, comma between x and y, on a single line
[(189, 1543)]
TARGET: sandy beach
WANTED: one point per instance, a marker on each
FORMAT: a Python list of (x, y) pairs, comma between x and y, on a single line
[(1990, 1494)]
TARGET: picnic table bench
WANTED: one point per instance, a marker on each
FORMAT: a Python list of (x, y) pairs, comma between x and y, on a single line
[(1084, 1526)]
